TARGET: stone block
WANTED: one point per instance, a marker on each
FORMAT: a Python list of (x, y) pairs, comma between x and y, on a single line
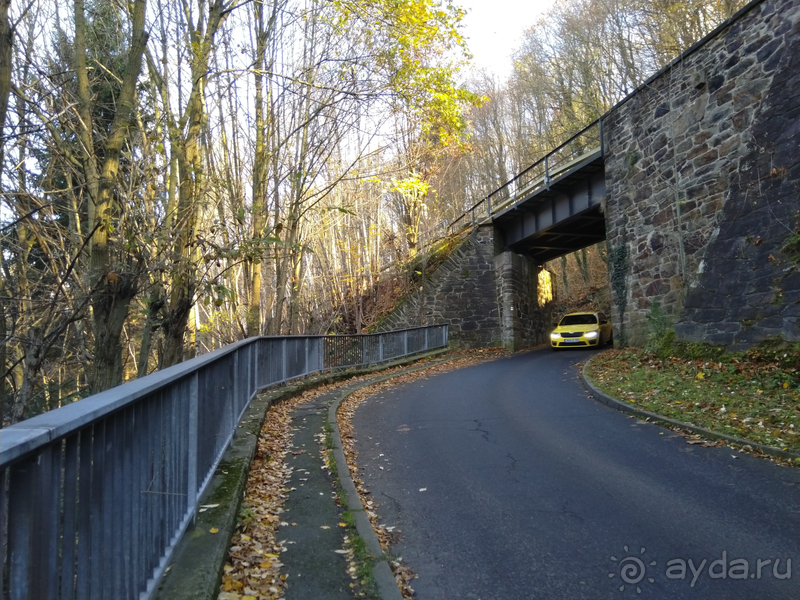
[(709, 315), (697, 150), (766, 51), (791, 332), (742, 119), (721, 114), (760, 299), (724, 339), (745, 339), (689, 331), (791, 297), (724, 327), (773, 322), (657, 288), (663, 216)]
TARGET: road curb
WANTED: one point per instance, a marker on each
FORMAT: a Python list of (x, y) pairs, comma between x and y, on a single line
[(627, 408), (195, 570), (387, 586)]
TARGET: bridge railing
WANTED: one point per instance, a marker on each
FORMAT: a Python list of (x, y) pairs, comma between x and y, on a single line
[(94, 496), (582, 145)]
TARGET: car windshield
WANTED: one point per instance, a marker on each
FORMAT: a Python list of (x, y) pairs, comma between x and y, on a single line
[(579, 320)]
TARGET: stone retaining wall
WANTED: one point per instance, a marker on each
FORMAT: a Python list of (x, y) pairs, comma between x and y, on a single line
[(461, 292), (524, 321), (702, 176), (488, 299)]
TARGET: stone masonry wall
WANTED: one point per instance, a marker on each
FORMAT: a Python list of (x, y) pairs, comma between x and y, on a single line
[(702, 179), (523, 321), (462, 292)]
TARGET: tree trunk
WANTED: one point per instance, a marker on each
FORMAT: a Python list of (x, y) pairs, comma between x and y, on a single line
[(3, 352), (6, 47), (32, 363), (259, 177), (191, 165), (110, 302), (174, 328), (5, 90), (154, 305), (112, 292)]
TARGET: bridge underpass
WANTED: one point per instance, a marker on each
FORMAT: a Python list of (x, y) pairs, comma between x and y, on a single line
[(559, 219), (553, 207), (491, 290), (729, 129)]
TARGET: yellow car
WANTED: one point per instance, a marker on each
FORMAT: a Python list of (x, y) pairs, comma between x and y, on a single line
[(581, 329)]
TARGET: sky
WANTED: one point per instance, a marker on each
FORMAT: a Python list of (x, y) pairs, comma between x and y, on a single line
[(494, 28)]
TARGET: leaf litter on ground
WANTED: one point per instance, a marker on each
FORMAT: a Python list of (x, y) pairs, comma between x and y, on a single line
[(742, 395), (253, 568), (389, 534)]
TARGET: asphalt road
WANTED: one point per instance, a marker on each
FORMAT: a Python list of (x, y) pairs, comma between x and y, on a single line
[(508, 481)]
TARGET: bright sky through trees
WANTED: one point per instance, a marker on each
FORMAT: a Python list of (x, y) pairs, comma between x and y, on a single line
[(494, 28)]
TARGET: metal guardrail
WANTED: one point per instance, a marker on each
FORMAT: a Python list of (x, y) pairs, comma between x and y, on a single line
[(582, 145), (94, 496)]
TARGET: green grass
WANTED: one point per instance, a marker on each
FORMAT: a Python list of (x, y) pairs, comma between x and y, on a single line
[(362, 559), (347, 517), (753, 395), (364, 565)]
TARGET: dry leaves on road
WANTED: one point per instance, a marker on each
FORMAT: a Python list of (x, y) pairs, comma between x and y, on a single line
[(388, 535), (253, 568)]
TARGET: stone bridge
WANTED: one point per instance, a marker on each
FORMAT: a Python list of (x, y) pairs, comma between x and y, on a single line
[(693, 180)]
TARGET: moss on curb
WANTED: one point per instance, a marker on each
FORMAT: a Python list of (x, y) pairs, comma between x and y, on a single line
[(195, 571)]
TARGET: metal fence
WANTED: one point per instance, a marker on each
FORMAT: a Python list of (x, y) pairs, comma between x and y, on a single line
[(94, 496)]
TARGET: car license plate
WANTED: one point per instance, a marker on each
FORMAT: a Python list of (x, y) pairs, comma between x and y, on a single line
[(571, 340)]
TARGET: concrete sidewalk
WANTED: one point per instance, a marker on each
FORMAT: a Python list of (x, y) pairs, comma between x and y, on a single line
[(315, 569)]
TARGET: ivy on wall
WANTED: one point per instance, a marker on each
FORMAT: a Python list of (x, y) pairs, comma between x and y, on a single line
[(618, 272)]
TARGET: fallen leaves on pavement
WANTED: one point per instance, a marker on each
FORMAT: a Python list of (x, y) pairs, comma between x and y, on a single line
[(388, 535), (741, 395), (253, 567)]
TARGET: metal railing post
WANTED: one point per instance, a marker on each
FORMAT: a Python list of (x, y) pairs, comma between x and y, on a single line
[(380, 347), (602, 143), (427, 347), (405, 342), (248, 374), (235, 394), (191, 467), (547, 171), (256, 356), (22, 498), (284, 360)]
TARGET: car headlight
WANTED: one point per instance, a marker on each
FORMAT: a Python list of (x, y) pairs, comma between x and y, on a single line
[(590, 334), (555, 336)]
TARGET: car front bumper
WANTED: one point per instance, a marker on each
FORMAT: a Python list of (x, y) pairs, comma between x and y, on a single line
[(577, 342)]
